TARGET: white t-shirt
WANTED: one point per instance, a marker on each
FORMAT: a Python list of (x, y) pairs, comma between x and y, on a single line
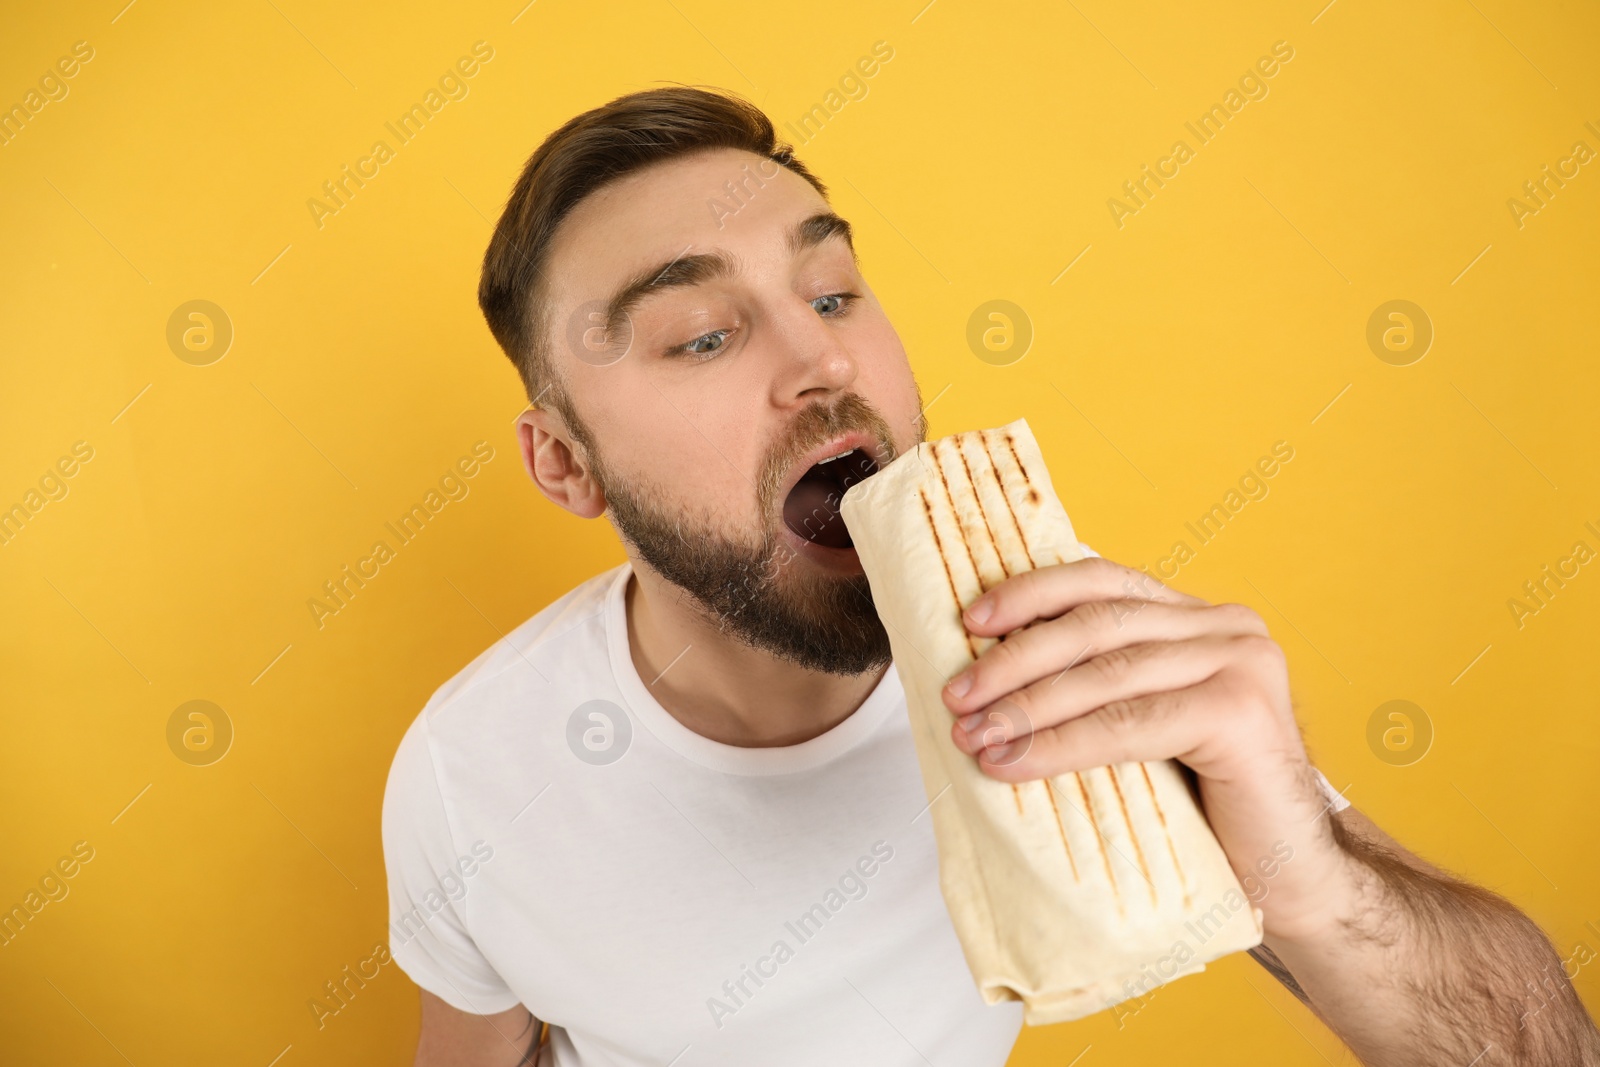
[(555, 838)]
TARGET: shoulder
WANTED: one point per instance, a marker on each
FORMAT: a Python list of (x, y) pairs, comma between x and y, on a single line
[(497, 697), (562, 635)]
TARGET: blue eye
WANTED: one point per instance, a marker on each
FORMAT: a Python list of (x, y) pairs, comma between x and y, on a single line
[(716, 339), (840, 304), (833, 306)]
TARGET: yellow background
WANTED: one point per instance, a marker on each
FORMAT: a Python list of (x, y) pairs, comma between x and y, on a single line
[(1223, 317)]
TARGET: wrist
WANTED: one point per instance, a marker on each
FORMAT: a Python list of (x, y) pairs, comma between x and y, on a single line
[(1332, 899)]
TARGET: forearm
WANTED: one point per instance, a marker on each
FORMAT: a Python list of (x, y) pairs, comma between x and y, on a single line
[(1420, 969), (1407, 965), (450, 1037)]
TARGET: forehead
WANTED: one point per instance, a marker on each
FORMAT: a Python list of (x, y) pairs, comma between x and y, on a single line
[(672, 207)]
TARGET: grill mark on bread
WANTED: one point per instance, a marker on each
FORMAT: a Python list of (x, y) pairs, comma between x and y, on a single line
[(950, 578), (938, 545), (1171, 848), (951, 500), (1133, 835), (983, 513), (1033, 493), (1100, 840), (1050, 791), (994, 472), (1016, 793)]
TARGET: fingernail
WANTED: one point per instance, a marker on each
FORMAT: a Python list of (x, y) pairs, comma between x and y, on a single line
[(960, 685), (998, 753), (980, 610), (964, 741), (971, 721)]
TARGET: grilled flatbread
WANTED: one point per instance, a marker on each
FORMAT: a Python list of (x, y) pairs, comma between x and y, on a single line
[(1072, 893)]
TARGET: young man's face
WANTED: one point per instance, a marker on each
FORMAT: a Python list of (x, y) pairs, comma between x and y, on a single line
[(753, 349)]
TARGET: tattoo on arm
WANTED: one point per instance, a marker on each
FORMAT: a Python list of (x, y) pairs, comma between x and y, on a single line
[(536, 1042), (1274, 966)]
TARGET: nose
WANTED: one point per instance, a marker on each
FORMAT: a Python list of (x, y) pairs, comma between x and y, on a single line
[(811, 359)]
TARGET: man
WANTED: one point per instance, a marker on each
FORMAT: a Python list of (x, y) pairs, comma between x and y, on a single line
[(677, 814)]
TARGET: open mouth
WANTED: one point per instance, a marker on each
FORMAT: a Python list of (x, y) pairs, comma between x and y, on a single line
[(811, 510)]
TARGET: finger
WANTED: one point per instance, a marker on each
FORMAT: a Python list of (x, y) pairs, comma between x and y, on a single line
[(1203, 725), (1147, 728), (1117, 675), (1051, 591), (1046, 649)]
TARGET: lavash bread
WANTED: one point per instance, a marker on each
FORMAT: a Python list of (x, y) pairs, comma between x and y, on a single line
[(1073, 893)]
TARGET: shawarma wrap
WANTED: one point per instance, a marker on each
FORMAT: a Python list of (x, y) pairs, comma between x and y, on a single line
[(1072, 893)]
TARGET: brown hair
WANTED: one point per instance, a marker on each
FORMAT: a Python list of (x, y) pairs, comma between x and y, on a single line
[(590, 151)]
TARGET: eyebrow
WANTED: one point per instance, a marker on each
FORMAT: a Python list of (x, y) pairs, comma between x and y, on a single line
[(684, 271)]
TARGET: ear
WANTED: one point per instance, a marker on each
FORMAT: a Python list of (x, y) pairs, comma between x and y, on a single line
[(549, 457)]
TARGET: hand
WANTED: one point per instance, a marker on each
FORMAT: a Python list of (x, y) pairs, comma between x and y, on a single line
[(1115, 667)]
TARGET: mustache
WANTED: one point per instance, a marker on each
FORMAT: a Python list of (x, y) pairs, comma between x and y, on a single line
[(813, 426)]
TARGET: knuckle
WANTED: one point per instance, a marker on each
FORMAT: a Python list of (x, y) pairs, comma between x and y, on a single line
[(1259, 648), (1162, 707), (1120, 716), (1104, 570), (1029, 589), (1096, 615), (1000, 658), (1123, 611), (1232, 688), (1243, 617), (1114, 663), (1017, 711), (1249, 699), (1159, 590)]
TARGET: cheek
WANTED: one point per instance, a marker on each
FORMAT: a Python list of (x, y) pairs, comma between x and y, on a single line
[(885, 380), (699, 453)]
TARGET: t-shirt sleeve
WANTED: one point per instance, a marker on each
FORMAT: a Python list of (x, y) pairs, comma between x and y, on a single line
[(1331, 796), (428, 934)]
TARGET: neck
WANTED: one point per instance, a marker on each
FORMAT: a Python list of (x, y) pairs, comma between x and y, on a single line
[(721, 688)]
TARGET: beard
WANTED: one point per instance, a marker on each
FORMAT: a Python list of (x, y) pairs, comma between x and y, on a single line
[(756, 591)]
